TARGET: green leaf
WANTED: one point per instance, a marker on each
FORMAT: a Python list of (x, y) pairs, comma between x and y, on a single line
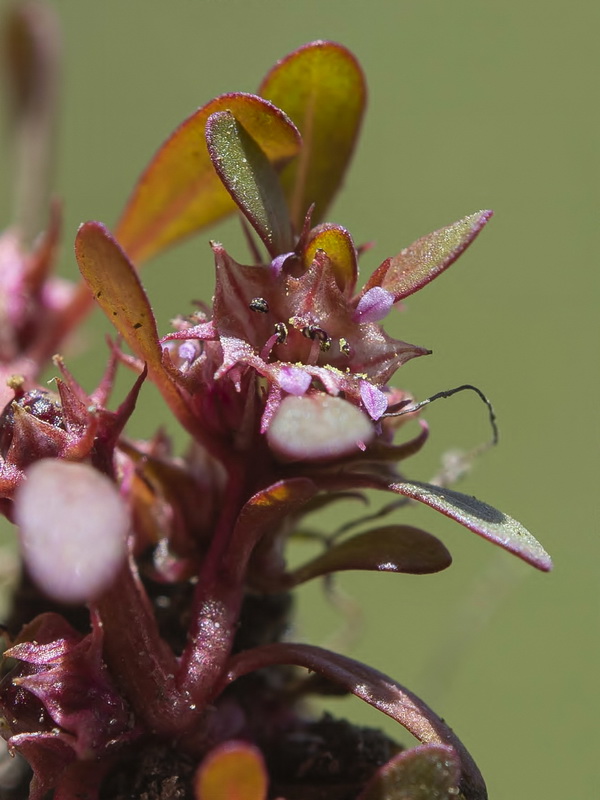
[(234, 770), (180, 192), (427, 772), (322, 88), (481, 518), (117, 289), (393, 548), (250, 179), (426, 258), (337, 243)]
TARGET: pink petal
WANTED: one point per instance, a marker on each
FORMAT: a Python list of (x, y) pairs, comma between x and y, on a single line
[(374, 400), (373, 305)]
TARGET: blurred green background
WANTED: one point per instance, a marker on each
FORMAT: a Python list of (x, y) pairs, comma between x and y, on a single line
[(472, 105)]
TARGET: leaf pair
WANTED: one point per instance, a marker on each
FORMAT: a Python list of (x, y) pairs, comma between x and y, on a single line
[(320, 87)]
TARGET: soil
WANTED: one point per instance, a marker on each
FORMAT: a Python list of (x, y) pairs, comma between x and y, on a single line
[(328, 760)]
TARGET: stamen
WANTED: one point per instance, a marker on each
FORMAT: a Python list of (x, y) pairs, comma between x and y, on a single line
[(282, 332), (315, 333), (279, 337)]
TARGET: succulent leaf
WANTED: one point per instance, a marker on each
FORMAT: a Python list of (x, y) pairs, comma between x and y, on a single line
[(250, 179), (337, 243), (481, 518), (374, 688), (426, 258), (179, 192), (117, 289), (393, 548), (322, 88), (427, 772)]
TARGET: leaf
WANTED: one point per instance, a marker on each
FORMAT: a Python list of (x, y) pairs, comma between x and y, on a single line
[(180, 192), (234, 770), (426, 258), (117, 289), (337, 243), (374, 688), (393, 548), (322, 88), (264, 512), (427, 772), (250, 179), (481, 518)]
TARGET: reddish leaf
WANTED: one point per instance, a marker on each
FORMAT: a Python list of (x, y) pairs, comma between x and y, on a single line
[(118, 291), (393, 548), (481, 518), (337, 243), (423, 261), (232, 771), (179, 192), (427, 772), (322, 88), (264, 512), (250, 179), (373, 687)]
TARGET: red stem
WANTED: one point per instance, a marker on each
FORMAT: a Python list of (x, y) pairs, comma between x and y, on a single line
[(141, 662), (216, 604)]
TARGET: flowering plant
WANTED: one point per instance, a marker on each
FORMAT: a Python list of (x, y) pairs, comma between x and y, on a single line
[(283, 386)]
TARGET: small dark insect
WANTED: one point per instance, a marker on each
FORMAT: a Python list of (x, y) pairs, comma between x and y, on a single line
[(259, 304), (314, 332)]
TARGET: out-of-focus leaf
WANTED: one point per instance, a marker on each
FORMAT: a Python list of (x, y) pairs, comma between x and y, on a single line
[(374, 688), (117, 289), (423, 260), (250, 179), (180, 192), (393, 548), (233, 770), (30, 61), (322, 88), (427, 772), (337, 243), (481, 518)]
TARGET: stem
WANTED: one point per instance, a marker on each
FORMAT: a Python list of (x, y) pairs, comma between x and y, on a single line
[(142, 663), (216, 604)]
